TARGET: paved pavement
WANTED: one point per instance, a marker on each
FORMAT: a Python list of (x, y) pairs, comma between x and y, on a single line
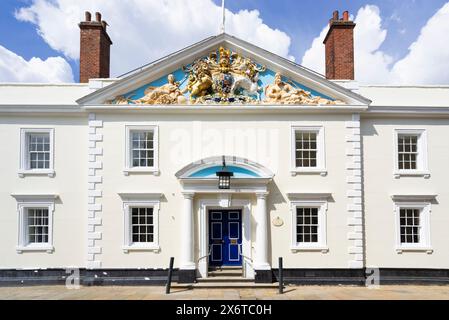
[(291, 293)]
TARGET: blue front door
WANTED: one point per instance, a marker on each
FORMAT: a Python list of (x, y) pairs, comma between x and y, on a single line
[(225, 237)]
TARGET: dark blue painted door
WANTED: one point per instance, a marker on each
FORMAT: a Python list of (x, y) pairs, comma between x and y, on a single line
[(225, 237)]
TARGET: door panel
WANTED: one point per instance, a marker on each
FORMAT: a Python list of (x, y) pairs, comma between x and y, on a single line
[(216, 230), (225, 230), (216, 253)]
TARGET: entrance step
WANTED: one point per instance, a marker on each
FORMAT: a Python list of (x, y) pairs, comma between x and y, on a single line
[(225, 268), (227, 285), (225, 272), (224, 279)]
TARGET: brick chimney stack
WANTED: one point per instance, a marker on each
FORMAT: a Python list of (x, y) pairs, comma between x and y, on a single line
[(95, 48), (339, 43)]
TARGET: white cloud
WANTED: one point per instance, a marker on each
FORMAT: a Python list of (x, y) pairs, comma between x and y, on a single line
[(144, 30), (428, 59), (314, 57), (13, 68), (371, 64), (423, 64)]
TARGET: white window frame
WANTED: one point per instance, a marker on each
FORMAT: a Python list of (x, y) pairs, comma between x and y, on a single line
[(25, 202), (128, 150), (140, 201), (24, 169), (321, 245), (425, 243), (422, 161), (321, 151)]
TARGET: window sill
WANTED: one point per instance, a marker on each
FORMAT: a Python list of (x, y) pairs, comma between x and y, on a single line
[(31, 248), (400, 250), (153, 248), (309, 249), (399, 174), (298, 171), (152, 171), (23, 173)]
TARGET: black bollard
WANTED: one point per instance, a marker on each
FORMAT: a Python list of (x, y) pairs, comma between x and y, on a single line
[(170, 273), (281, 277)]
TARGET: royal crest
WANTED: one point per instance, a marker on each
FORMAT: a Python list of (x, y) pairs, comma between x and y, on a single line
[(223, 77)]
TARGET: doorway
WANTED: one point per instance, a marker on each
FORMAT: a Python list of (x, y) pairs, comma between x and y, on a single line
[(225, 238)]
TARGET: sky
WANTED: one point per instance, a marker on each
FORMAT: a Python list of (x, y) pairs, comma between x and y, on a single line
[(396, 41)]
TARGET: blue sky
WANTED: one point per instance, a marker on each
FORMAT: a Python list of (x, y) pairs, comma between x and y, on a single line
[(301, 20), (304, 19), (21, 37)]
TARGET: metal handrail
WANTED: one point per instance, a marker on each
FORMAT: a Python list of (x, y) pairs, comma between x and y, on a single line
[(243, 256), (240, 254), (206, 256)]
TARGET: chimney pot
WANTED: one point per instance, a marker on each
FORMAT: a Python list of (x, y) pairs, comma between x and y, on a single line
[(336, 15), (339, 46), (88, 16), (98, 16)]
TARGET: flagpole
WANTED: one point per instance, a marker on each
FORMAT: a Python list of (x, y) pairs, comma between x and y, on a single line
[(224, 16)]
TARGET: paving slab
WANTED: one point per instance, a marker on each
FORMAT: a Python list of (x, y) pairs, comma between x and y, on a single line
[(291, 293)]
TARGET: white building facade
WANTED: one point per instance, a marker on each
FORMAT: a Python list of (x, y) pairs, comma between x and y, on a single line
[(117, 175)]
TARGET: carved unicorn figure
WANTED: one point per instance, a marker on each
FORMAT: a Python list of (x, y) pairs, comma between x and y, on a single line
[(248, 87)]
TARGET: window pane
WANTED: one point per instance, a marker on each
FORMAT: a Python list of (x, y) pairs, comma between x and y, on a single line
[(37, 225), (307, 225), (38, 150), (410, 225), (408, 152), (306, 149), (142, 227), (142, 148)]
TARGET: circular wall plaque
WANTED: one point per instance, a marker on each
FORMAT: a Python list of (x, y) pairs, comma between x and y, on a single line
[(278, 222)]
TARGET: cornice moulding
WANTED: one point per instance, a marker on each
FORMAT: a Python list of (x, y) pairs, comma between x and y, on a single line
[(414, 197)]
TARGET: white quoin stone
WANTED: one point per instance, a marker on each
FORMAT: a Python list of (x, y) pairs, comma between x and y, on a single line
[(95, 165), (95, 236), (96, 137), (95, 123)]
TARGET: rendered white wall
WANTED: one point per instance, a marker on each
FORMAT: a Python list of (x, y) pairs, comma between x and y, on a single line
[(70, 181), (114, 182), (379, 184)]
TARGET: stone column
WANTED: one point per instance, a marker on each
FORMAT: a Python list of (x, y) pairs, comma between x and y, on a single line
[(187, 264), (261, 264)]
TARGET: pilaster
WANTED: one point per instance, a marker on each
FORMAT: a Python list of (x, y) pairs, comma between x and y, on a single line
[(354, 193), (95, 193)]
